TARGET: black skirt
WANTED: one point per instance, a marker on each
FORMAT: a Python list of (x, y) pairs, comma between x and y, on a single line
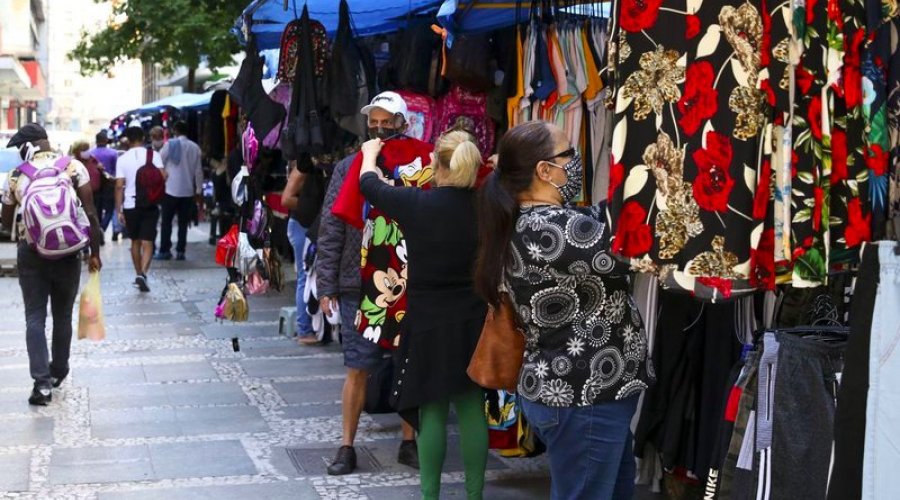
[(430, 364)]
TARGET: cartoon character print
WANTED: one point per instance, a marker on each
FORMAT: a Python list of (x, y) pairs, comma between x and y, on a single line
[(384, 265), (415, 174)]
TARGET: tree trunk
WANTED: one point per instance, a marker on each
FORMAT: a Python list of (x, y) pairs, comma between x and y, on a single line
[(191, 76)]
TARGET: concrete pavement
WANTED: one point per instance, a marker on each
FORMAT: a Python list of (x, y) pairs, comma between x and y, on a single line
[(164, 408)]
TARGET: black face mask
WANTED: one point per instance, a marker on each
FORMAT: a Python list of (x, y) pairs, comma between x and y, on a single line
[(381, 133)]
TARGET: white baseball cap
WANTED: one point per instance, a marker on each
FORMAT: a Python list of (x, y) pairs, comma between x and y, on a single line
[(390, 102)]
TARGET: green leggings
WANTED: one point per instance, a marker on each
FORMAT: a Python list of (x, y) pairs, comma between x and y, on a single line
[(473, 437)]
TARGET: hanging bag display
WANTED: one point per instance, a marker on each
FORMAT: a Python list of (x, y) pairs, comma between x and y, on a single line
[(227, 246), (469, 62), (497, 359), (234, 304), (421, 115)]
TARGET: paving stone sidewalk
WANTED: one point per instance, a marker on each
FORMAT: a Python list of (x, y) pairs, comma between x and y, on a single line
[(165, 409)]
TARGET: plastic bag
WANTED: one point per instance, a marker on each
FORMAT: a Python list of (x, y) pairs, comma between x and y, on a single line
[(90, 312)]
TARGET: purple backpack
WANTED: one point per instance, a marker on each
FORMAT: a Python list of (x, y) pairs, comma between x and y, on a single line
[(55, 226)]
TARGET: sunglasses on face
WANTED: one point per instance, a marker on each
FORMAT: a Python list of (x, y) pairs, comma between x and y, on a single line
[(569, 153)]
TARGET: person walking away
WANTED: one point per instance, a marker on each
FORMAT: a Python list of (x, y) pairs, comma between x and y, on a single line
[(444, 315), (135, 209), (184, 190), (105, 200), (339, 283), (49, 268), (293, 200), (80, 150), (157, 138), (586, 357)]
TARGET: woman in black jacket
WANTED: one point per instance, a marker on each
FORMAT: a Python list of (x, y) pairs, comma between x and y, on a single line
[(445, 315)]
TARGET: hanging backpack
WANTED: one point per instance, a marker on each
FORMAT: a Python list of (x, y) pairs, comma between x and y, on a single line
[(150, 184), (55, 226), (421, 115), (460, 102)]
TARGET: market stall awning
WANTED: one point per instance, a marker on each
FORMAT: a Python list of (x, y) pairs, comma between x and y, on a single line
[(180, 101), (484, 15), (370, 17)]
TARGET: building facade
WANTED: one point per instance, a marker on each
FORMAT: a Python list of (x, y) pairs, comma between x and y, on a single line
[(24, 53), (78, 103)]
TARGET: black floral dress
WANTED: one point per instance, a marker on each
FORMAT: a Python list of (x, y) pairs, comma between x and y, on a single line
[(687, 145)]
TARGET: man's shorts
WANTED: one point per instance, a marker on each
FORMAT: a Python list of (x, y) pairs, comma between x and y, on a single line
[(140, 223), (359, 353)]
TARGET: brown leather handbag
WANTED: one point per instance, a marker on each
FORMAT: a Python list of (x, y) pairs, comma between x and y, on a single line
[(497, 359)]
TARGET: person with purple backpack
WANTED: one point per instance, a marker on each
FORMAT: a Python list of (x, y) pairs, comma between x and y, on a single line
[(53, 195)]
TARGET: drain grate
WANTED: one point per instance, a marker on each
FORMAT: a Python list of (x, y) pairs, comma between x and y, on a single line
[(314, 461)]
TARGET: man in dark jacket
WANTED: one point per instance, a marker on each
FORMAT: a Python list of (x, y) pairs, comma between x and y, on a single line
[(338, 283)]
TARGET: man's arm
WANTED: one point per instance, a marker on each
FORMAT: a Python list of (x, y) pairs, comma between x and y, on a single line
[(86, 195), (330, 245), (198, 173), (160, 164), (290, 198), (9, 216), (120, 198)]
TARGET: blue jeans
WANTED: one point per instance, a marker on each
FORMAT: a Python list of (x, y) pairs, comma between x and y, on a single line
[(590, 448), (297, 237), (42, 281)]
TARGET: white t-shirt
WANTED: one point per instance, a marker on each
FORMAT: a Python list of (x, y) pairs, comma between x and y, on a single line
[(127, 167)]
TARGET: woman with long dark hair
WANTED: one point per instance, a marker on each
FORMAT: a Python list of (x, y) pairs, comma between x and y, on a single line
[(586, 351)]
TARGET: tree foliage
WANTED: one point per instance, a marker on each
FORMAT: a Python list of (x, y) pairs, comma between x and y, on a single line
[(170, 33)]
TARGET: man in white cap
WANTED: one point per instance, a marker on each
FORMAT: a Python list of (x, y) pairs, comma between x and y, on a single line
[(342, 285), (387, 115)]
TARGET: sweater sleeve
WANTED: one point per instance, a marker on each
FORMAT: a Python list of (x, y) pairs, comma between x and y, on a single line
[(348, 203), (331, 237), (397, 202)]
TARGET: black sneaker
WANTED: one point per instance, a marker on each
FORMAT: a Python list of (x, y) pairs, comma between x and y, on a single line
[(179, 256), (163, 256), (141, 282), (344, 462), (40, 396), (57, 381), (409, 454), (115, 236)]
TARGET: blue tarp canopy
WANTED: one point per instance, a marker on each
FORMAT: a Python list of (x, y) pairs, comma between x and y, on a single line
[(459, 16), (180, 101), (370, 17)]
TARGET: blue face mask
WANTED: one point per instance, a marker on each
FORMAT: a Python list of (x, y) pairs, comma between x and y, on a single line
[(574, 173)]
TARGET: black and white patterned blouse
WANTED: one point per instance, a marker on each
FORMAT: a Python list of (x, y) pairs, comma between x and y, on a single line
[(585, 341)]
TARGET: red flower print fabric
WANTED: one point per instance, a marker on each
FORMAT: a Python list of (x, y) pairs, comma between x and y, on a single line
[(713, 183), (700, 100), (639, 15), (690, 118)]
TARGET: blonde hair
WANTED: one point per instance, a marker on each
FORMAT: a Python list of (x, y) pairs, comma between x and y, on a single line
[(456, 159), (157, 133), (77, 148)]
